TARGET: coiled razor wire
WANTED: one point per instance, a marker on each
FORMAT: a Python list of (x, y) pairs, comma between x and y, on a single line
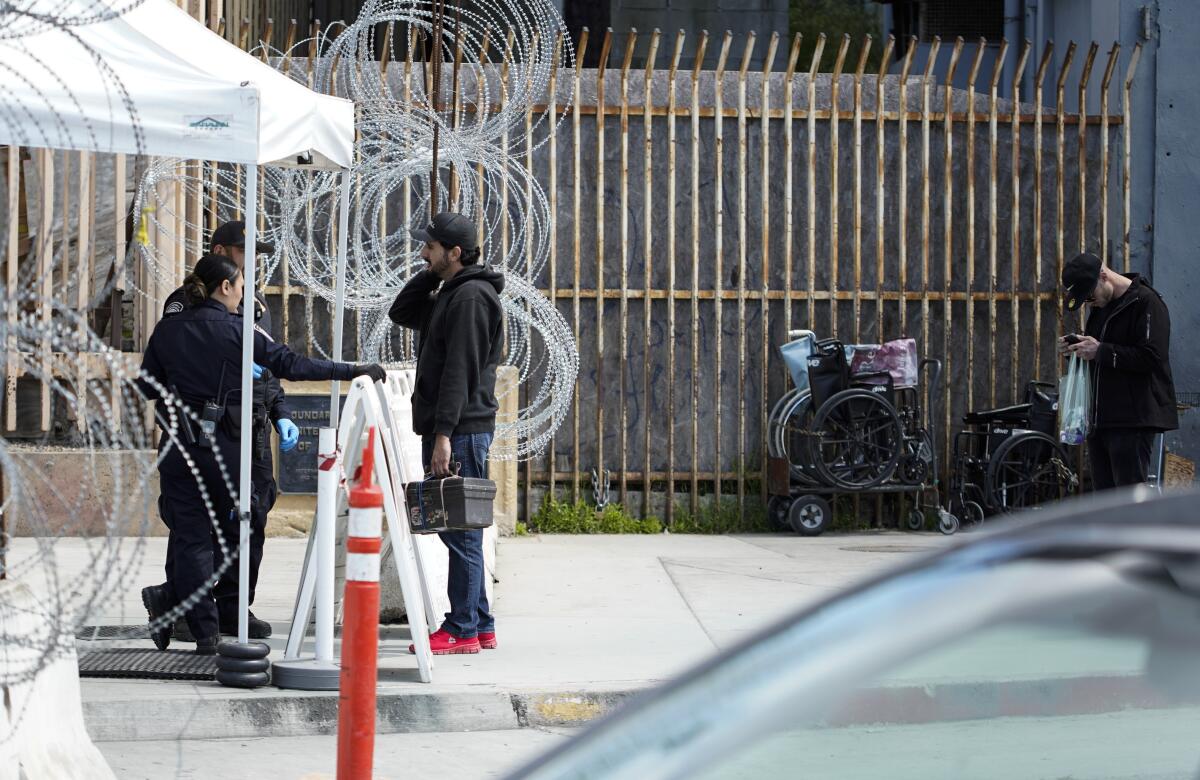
[(119, 464), (505, 52), (97, 397), (21, 18)]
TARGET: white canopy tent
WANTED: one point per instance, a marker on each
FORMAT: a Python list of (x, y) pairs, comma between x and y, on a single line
[(155, 81)]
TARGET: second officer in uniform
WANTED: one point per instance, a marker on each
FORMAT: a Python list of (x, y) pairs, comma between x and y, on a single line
[(270, 407)]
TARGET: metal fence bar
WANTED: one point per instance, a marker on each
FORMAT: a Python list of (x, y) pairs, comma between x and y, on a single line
[(1127, 153), (970, 286), (880, 182), (1015, 225), (648, 256), (576, 255), (671, 97), (83, 276), (605, 48), (1105, 83), (1038, 94), (552, 260), (1082, 142), (993, 175), (747, 52), (947, 243), (926, 86), (765, 250), (718, 255), (701, 48), (789, 78), (858, 111), (902, 182), (1059, 178), (834, 164), (12, 259), (623, 432)]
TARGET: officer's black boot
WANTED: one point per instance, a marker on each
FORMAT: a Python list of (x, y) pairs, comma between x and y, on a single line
[(181, 633), (256, 628), (206, 645), (157, 600)]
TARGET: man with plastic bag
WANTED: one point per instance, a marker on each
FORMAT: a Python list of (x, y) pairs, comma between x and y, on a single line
[(1126, 339)]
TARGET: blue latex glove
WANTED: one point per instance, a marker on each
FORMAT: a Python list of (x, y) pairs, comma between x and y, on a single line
[(257, 370), (289, 434)]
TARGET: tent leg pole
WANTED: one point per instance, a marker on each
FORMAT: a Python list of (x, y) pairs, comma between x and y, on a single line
[(339, 306), (247, 407), (237, 662)]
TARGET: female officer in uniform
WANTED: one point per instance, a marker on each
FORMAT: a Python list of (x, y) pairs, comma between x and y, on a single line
[(197, 356)]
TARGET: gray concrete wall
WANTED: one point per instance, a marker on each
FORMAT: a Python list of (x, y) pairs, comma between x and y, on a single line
[(692, 16), (1176, 235)]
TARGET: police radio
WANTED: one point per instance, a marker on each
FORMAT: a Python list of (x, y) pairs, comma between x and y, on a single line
[(208, 424)]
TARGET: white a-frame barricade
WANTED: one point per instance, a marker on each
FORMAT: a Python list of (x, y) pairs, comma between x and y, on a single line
[(433, 562), (366, 405)]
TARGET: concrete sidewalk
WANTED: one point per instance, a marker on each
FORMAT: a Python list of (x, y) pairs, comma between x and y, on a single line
[(582, 622)]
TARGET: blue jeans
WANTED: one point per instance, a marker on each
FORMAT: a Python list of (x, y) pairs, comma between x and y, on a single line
[(469, 611)]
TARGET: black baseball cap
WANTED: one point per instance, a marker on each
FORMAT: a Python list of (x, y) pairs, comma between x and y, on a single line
[(234, 234), (449, 230), (1079, 276)]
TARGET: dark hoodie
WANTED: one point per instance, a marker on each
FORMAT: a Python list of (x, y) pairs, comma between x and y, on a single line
[(460, 344), (1133, 384)]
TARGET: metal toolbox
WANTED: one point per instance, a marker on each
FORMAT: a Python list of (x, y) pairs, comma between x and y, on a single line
[(449, 504)]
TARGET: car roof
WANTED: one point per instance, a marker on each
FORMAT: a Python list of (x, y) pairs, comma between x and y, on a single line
[(1139, 520)]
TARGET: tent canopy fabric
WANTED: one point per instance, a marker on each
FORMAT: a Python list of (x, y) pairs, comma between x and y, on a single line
[(155, 81)]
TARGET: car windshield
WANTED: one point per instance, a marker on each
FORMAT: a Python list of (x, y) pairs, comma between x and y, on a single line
[(1067, 667)]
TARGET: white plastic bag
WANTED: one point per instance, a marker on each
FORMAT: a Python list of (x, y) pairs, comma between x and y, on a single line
[(1075, 402)]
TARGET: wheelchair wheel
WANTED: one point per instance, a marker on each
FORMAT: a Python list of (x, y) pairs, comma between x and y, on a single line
[(794, 439), (775, 424), (810, 515), (916, 467), (777, 512), (1027, 470), (858, 440), (916, 520)]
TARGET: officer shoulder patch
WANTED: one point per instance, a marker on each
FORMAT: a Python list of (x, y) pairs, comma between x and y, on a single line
[(174, 307)]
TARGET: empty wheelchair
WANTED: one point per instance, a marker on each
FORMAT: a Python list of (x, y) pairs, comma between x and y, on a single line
[(848, 427), (1008, 459)]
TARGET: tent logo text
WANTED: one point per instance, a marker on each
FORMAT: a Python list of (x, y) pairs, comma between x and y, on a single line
[(207, 125)]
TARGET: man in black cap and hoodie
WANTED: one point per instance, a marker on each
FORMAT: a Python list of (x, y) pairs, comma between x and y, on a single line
[(1127, 339), (454, 305)]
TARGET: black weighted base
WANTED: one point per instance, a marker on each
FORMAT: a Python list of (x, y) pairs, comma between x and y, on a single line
[(243, 679), (243, 666), (248, 650)]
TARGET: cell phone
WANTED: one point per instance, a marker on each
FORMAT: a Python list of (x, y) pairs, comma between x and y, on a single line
[(1072, 338)]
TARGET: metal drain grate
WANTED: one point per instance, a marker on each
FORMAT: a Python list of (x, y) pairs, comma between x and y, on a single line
[(147, 664), (113, 632)]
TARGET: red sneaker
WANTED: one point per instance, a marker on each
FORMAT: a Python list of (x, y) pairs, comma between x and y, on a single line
[(442, 642), (487, 640)]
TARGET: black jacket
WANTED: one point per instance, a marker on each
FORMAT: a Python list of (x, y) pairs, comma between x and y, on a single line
[(268, 393), (199, 352), (1132, 385), (461, 343)]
